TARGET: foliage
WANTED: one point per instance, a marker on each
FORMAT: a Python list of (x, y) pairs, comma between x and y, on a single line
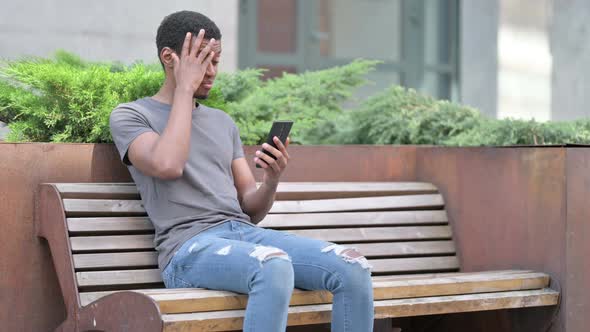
[(68, 99), (403, 116)]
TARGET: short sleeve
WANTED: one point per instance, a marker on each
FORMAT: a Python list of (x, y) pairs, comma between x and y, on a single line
[(237, 142), (126, 125)]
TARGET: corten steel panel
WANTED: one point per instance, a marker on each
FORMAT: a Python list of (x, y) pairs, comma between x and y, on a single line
[(31, 298), (577, 292), (346, 163), (506, 206)]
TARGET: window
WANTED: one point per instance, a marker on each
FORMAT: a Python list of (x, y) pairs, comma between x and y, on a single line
[(416, 40)]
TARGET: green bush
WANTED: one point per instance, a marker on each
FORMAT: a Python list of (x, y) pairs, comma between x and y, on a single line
[(310, 99), (520, 132), (403, 116), (68, 99)]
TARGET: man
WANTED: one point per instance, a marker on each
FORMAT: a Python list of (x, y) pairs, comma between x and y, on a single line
[(200, 194)]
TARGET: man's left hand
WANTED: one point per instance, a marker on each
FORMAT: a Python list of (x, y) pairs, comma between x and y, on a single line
[(273, 168)]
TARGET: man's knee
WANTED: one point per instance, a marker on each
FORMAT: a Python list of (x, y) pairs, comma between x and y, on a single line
[(349, 255), (275, 269)]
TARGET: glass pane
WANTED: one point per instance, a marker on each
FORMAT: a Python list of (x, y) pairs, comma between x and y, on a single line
[(349, 29), (277, 26), (437, 85), (437, 43)]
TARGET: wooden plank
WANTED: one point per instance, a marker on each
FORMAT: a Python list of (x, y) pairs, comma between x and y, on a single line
[(114, 242), (285, 190), (275, 221), (139, 242), (420, 264), (96, 207), (97, 190), (109, 224), (325, 190), (360, 204), (102, 207), (411, 248), (377, 233), (149, 258), (319, 220), (116, 260), (114, 278), (197, 299), (321, 313), (399, 265)]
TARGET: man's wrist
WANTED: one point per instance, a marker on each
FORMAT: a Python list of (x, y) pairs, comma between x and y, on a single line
[(271, 184)]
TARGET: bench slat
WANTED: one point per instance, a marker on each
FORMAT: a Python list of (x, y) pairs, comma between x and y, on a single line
[(277, 221), (319, 220), (102, 207), (415, 265), (377, 233), (285, 190), (325, 190), (114, 242), (149, 258), (359, 204), (123, 277), (144, 276), (116, 260), (98, 190), (137, 242), (109, 224), (321, 313), (198, 299), (105, 207), (417, 279)]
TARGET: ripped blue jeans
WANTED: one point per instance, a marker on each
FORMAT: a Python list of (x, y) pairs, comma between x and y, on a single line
[(267, 265)]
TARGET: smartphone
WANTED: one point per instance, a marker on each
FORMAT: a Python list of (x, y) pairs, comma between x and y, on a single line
[(280, 129)]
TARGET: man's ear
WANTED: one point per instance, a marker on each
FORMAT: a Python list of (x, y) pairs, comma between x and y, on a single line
[(166, 57)]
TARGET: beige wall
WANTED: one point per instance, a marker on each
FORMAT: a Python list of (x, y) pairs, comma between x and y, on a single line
[(123, 30), (524, 60)]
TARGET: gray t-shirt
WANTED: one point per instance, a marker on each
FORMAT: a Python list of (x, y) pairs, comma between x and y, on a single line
[(205, 195)]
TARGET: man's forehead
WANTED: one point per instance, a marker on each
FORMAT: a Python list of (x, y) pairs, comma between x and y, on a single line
[(216, 47)]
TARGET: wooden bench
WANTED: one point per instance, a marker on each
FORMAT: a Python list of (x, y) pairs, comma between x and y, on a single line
[(101, 243)]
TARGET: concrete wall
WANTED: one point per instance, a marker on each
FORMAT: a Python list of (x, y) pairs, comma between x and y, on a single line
[(104, 30), (524, 60), (570, 46), (478, 54)]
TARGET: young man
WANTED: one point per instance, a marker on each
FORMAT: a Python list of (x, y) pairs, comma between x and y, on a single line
[(200, 194)]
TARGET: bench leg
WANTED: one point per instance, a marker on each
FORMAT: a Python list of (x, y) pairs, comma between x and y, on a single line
[(385, 325), (122, 311)]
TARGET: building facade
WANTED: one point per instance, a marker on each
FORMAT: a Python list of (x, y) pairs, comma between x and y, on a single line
[(509, 58)]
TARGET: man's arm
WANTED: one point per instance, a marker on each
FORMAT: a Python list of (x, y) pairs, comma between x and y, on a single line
[(256, 202), (165, 156)]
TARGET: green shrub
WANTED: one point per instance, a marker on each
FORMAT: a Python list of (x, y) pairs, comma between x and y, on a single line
[(403, 116), (520, 132), (67, 99), (310, 99)]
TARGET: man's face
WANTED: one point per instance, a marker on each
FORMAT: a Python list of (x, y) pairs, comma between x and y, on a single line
[(207, 83)]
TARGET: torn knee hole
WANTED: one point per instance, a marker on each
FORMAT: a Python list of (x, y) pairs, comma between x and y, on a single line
[(350, 255), (264, 253)]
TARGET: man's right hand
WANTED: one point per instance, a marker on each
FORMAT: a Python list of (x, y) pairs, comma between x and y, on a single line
[(191, 66)]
